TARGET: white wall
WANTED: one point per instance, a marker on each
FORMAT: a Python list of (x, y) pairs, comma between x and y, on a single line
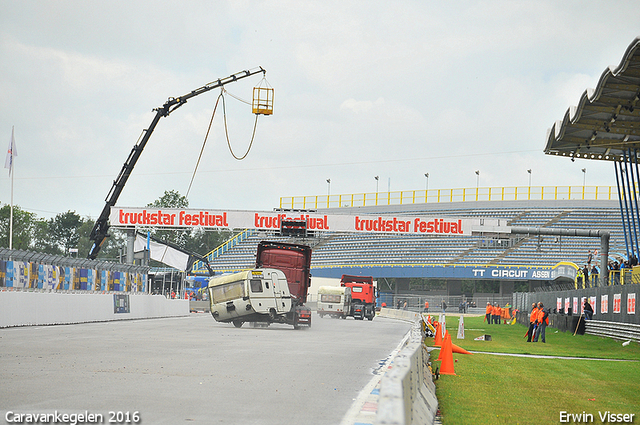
[(40, 308)]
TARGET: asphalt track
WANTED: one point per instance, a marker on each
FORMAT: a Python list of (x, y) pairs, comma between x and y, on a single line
[(194, 370)]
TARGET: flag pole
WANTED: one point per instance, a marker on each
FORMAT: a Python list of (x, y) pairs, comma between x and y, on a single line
[(11, 208), (11, 152)]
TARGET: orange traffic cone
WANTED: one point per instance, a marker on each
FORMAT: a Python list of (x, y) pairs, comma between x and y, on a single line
[(442, 350), (446, 367), (438, 338), (441, 353), (459, 350)]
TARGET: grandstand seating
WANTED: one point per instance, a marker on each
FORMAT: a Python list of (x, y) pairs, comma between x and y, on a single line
[(343, 249)]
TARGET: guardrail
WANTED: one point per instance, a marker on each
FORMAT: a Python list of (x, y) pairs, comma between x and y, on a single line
[(407, 391), (516, 193), (615, 330)]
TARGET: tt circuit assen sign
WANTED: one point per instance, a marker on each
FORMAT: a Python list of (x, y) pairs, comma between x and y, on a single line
[(230, 219)]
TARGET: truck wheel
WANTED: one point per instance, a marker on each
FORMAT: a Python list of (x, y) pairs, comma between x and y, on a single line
[(237, 323)]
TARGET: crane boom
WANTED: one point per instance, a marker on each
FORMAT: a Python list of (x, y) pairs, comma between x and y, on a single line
[(101, 227)]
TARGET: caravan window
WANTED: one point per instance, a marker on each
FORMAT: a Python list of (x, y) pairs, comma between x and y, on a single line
[(228, 292), (256, 285), (328, 298)]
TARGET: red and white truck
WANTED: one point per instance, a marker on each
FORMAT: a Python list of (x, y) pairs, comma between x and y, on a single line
[(363, 296), (295, 262)]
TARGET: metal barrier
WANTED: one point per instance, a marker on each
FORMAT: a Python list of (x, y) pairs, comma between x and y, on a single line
[(615, 303), (407, 391), (517, 193), (615, 330)]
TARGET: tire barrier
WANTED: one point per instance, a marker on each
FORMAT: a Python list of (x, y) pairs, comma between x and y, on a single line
[(615, 330)]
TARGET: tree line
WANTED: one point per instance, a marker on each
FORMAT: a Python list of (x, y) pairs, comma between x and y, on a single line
[(69, 230)]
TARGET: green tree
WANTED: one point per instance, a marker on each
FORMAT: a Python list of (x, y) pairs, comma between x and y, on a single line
[(43, 240), (171, 199), (203, 241), (23, 227), (64, 229)]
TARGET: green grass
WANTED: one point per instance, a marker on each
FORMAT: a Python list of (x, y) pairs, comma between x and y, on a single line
[(490, 389)]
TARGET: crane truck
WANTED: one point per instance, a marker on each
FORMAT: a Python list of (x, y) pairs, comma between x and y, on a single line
[(100, 230), (363, 296)]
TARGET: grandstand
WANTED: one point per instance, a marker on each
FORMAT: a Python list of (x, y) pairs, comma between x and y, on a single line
[(337, 250)]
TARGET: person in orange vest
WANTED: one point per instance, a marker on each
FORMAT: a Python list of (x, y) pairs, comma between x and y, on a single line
[(532, 321), (506, 314), (543, 320), (496, 314), (487, 313), (426, 306)]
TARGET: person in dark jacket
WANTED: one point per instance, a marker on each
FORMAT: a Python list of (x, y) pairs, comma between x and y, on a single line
[(588, 310)]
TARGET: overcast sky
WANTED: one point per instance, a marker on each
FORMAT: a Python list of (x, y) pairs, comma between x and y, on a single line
[(362, 89)]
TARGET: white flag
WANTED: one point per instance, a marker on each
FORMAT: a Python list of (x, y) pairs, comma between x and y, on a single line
[(11, 152)]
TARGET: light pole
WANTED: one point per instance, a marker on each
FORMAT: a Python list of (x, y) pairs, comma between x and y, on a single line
[(427, 177), (584, 177), (377, 179), (328, 187), (529, 171), (477, 179)]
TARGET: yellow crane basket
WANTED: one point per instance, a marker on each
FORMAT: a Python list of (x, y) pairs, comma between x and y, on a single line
[(262, 100)]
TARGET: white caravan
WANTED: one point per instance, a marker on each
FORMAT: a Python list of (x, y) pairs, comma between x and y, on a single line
[(334, 301), (259, 295)]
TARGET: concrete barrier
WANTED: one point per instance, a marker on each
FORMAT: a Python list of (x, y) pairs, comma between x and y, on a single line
[(19, 308), (200, 306), (407, 391)]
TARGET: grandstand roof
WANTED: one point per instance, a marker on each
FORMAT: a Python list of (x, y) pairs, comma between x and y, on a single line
[(606, 122)]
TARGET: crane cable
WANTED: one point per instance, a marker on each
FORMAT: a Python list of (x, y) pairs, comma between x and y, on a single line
[(226, 132), (221, 95)]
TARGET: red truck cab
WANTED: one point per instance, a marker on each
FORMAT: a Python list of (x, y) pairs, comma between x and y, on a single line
[(363, 296), (295, 262)]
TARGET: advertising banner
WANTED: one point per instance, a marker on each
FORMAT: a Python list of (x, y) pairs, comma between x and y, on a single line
[(631, 303), (232, 219), (604, 303), (617, 303)]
